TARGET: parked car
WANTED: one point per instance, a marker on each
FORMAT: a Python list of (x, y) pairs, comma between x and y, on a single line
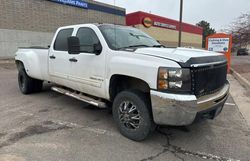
[(120, 67), (242, 51)]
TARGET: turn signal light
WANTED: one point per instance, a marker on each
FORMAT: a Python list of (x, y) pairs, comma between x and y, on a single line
[(163, 73), (162, 84)]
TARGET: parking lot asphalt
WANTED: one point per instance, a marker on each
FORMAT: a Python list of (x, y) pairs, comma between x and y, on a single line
[(48, 126), (241, 64)]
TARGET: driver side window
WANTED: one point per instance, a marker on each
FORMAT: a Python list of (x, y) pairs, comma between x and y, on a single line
[(88, 39)]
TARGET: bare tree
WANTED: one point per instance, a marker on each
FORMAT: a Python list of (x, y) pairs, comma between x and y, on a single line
[(240, 30)]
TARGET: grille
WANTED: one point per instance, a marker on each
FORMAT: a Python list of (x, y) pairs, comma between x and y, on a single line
[(209, 79)]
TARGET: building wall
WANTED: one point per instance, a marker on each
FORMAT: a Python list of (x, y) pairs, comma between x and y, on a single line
[(10, 40), (170, 37), (28, 19), (191, 34)]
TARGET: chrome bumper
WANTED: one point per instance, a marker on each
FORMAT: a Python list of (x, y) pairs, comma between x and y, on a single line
[(179, 109)]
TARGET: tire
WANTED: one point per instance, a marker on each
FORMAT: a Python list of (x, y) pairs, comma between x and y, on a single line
[(25, 82), (37, 85), (28, 85), (134, 121)]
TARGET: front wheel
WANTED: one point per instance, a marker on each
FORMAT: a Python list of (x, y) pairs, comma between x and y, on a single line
[(131, 113)]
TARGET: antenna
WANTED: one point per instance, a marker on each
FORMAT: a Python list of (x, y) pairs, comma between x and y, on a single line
[(115, 22), (114, 14), (88, 16)]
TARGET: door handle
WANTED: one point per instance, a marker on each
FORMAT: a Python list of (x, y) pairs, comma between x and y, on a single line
[(52, 57), (73, 59)]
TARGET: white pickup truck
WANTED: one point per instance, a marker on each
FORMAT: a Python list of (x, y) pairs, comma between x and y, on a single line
[(145, 83)]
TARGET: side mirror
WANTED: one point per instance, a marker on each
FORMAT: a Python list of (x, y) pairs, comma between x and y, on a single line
[(73, 45), (97, 48)]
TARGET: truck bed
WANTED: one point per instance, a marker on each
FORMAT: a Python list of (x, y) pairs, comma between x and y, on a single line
[(36, 61)]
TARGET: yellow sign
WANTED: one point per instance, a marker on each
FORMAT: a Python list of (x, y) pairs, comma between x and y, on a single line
[(147, 22)]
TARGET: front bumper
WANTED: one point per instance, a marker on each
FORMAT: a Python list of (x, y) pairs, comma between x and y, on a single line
[(179, 109)]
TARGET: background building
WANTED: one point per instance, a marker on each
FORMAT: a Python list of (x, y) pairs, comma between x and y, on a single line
[(166, 30), (26, 23)]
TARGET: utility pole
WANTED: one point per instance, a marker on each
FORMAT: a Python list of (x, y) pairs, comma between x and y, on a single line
[(180, 23)]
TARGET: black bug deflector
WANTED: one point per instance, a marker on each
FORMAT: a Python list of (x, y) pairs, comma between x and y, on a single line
[(205, 61)]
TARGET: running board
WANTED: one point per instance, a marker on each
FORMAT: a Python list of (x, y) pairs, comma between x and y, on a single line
[(80, 96)]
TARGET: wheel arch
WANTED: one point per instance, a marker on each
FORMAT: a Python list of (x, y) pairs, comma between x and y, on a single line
[(20, 65), (120, 82)]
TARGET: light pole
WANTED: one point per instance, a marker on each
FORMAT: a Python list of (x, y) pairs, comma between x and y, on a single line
[(180, 23)]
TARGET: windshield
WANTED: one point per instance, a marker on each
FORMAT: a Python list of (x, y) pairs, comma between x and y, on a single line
[(121, 37)]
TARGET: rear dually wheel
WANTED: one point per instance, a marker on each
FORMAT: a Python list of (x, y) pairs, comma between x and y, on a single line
[(27, 84)]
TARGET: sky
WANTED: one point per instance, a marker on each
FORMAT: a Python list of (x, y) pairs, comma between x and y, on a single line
[(219, 13)]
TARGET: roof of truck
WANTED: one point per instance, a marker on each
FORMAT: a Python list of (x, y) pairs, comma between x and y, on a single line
[(96, 24)]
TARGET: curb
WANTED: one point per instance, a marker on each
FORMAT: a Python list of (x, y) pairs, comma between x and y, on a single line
[(243, 81)]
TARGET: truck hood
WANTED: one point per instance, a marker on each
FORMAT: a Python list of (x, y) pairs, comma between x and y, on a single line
[(183, 56)]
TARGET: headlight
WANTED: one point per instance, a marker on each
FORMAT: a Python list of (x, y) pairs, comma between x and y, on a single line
[(174, 79)]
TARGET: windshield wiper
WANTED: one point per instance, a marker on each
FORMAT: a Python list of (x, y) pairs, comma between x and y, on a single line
[(158, 46), (138, 35), (133, 46)]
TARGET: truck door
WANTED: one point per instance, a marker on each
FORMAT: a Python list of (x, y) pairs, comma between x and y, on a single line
[(88, 69), (59, 64)]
